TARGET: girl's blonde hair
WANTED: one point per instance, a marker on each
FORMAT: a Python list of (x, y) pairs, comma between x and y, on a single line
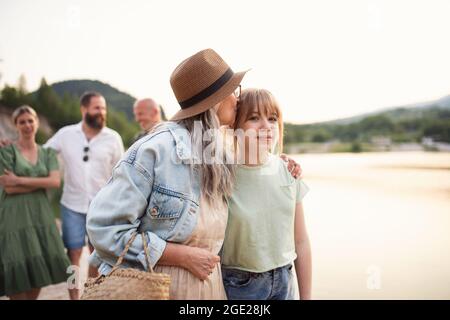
[(263, 102), (21, 110), (217, 178)]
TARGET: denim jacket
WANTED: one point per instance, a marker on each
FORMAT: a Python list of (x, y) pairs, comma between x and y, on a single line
[(153, 189)]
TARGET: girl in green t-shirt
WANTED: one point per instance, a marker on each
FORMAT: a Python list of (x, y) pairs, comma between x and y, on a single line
[(266, 233)]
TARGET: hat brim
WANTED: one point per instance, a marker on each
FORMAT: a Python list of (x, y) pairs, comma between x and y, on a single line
[(206, 104)]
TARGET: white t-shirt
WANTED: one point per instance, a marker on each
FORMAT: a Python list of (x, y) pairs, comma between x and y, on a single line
[(83, 179)]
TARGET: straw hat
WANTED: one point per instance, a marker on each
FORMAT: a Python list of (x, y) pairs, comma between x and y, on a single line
[(202, 81)]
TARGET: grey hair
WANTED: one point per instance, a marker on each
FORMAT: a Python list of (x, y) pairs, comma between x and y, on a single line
[(217, 177)]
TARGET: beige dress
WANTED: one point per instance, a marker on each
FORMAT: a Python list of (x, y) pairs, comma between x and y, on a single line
[(208, 234)]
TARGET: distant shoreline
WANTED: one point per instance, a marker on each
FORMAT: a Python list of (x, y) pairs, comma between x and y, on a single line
[(361, 147)]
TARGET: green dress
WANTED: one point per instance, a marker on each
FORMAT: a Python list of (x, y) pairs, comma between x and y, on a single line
[(31, 250)]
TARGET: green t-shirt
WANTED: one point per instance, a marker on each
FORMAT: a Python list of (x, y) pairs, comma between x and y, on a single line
[(261, 214)]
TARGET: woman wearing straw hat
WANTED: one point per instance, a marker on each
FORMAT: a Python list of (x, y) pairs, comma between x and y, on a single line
[(159, 187)]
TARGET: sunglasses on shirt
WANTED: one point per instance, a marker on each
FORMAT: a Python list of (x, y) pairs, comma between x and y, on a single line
[(86, 157)]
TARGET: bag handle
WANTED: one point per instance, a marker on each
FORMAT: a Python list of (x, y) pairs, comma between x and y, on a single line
[(124, 252), (127, 247), (147, 254)]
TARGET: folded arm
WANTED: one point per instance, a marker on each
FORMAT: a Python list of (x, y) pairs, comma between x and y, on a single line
[(53, 180), (9, 179), (19, 190)]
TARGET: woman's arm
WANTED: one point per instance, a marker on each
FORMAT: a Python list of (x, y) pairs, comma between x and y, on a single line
[(18, 190), (199, 262), (53, 180), (303, 263)]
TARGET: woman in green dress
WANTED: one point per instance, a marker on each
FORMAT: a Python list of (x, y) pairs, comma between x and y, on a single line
[(31, 250)]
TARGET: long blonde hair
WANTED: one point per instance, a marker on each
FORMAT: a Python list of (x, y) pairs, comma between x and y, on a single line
[(217, 178), (264, 103)]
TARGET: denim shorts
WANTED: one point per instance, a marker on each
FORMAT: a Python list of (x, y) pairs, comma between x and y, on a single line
[(276, 284), (73, 228)]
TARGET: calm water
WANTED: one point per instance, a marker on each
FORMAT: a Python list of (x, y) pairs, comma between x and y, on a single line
[(379, 224)]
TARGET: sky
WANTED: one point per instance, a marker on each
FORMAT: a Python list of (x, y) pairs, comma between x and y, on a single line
[(322, 59)]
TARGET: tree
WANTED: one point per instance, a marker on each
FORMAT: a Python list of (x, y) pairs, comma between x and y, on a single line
[(438, 130), (22, 85), (163, 114), (13, 98), (118, 121), (356, 147), (48, 104), (70, 108)]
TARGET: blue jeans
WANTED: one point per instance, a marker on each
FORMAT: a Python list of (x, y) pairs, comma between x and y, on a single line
[(276, 284), (73, 228)]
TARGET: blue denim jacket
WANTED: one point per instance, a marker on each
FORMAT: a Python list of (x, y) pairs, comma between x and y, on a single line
[(153, 189)]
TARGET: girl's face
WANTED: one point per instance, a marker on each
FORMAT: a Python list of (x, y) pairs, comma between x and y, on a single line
[(26, 125), (261, 130), (227, 111)]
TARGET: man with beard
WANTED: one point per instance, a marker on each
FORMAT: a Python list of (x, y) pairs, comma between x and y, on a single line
[(89, 151)]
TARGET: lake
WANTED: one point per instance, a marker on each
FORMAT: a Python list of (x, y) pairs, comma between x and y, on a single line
[(379, 224)]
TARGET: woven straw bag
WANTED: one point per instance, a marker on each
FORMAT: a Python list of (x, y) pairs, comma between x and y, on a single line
[(129, 283)]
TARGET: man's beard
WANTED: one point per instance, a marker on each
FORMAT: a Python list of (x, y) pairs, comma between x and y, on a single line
[(95, 121)]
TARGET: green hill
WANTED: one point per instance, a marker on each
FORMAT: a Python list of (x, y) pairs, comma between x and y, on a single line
[(401, 125), (406, 112), (63, 108), (116, 99)]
